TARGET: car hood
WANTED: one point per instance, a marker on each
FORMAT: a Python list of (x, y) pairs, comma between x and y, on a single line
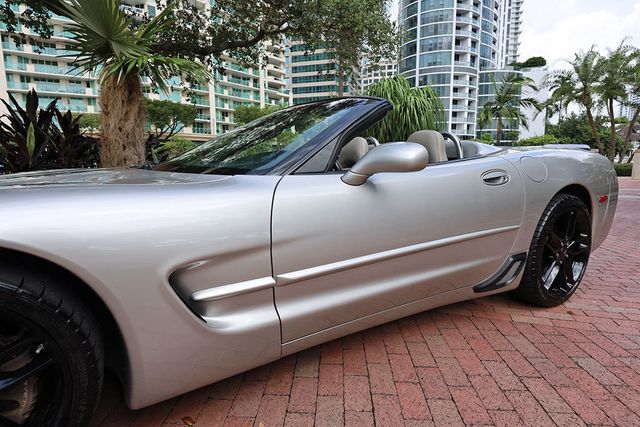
[(99, 177)]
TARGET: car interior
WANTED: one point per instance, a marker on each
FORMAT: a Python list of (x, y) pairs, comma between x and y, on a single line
[(440, 150)]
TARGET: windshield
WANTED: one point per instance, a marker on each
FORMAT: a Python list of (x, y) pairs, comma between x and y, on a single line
[(264, 144)]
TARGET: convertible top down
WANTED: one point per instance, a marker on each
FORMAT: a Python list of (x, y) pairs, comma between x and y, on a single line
[(290, 231)]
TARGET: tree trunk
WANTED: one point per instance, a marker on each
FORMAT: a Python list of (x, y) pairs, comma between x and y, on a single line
[(614, 135), (340, 79), (627, 137), (499, 131), (595, 132), (122, 133)]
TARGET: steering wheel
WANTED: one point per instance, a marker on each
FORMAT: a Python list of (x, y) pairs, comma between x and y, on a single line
[(373, 140), (456, 142)]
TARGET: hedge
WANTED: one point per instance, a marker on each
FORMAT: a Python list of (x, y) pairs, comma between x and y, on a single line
[(623, 169)]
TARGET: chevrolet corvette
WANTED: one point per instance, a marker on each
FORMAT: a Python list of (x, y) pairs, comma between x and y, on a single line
[(290, 231)]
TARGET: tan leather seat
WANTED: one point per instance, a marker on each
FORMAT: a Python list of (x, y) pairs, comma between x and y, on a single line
[(352, 152), (434, 143)]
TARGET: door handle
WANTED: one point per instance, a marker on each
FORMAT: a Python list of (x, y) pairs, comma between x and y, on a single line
[(496, 177)]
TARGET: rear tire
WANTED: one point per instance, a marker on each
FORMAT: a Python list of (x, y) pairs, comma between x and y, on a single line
[(45, 326), (558, 254)]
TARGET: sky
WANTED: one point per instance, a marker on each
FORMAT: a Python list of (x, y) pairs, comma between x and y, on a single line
[(556, 29)]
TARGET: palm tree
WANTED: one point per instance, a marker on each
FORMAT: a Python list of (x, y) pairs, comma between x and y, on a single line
[(580, 84), (612, 87), (633, 81), (111, 43), (508, 102), (414, 109), (561, 87)]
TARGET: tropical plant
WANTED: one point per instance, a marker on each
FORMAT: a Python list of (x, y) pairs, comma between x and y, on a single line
[(89, 121), (612, 87), (533, 62), (414, 109), (32, 138), (108, 41), (580, 85), (230, 29), (248, 113), (633, 89), (166, 118), (507, 103), (171, 148), (542, 140)]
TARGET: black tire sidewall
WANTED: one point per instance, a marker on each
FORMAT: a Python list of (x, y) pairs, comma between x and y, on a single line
[(82, 370), (532, 287)]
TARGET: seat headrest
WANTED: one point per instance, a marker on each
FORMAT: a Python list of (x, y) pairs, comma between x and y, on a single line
[(434, 143), (352, 152)]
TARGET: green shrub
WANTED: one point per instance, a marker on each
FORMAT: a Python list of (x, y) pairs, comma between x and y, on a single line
[(173, 147), (623, 169), (34, 138)]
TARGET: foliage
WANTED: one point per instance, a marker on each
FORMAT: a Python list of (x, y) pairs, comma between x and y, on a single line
[(487, 138), (38, 139), (533, 62), (248, 113), (89, 121), (235, 28), (356, 29), (166, 118), (508, 102), (123, 50), (414, 109), (542, 140), (171, 148), (623, 169), (579, 85), (612, 87)]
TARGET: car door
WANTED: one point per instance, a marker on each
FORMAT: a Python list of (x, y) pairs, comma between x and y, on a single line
[(341, 252)]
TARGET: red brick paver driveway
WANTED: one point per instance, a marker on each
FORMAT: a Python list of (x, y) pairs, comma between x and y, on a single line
[(489, 361)]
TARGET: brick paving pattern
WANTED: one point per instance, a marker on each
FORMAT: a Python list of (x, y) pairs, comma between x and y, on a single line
[(492, 361)]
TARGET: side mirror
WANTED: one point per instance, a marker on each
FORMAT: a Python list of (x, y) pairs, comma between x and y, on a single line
[(393, 157)]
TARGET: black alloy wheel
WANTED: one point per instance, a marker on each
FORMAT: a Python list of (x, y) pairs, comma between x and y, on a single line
[(559, 253), (51, 354)]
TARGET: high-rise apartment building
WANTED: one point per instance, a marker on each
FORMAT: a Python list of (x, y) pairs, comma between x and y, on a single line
[(312, 74), (371, 73), (450, 45), (512, 31), (43, 65)]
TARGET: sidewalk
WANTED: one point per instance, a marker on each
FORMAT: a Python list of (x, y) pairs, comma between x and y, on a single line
[(488, 361)]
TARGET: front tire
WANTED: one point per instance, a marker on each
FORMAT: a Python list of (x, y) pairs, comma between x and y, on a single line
[(51, 356), (558, 254)]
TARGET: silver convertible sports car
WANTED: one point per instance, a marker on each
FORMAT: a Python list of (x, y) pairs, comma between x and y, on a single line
[(293, 230)]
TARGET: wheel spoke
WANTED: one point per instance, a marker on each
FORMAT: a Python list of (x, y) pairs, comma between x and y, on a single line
[(12, 349), (571, 225), (555, 241), (38, 364), (567, 270), (551, 274)]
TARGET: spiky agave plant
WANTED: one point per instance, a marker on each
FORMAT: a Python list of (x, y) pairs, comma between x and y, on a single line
[(414, 109), (109, 43)]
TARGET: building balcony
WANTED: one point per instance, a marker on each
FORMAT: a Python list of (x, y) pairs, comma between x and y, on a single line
[(14, 66), (12, 46), (18, 85), (58, 88)]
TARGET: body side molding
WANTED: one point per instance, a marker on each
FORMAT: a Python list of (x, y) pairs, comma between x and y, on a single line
[(324, 270), (233, 289)]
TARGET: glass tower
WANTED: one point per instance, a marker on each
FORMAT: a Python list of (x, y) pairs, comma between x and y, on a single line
[(448, 45)]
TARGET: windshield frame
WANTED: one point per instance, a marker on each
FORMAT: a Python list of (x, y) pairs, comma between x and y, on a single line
[(311, 147)]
